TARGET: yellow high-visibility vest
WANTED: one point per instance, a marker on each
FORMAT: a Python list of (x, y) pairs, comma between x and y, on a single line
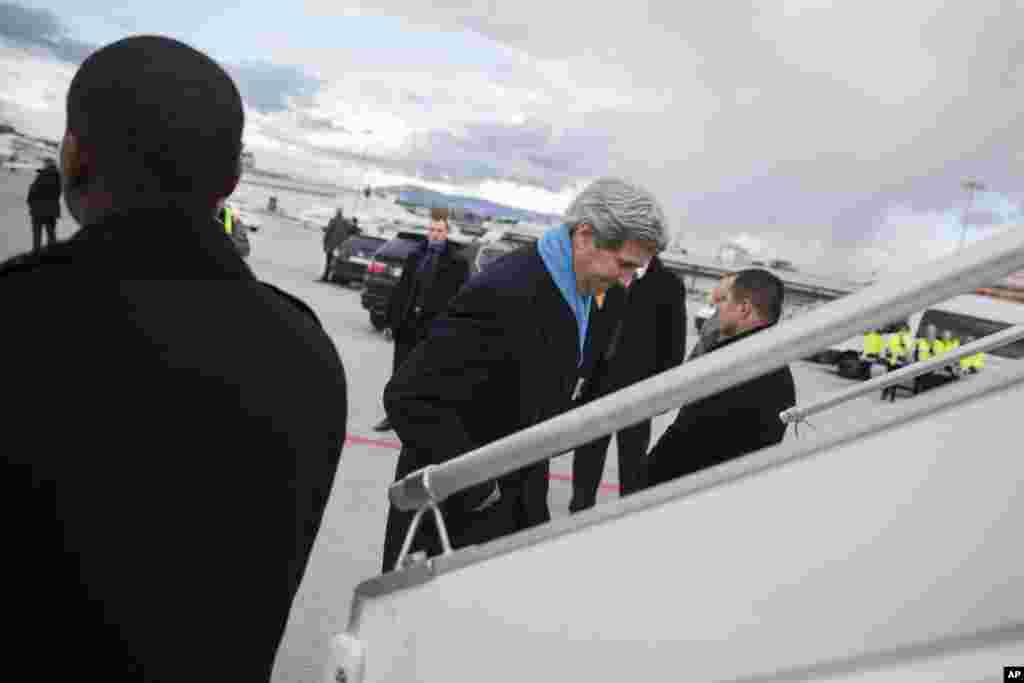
[(873, 343), (228, 220), (924, 349), (897, 348), (938, 347)]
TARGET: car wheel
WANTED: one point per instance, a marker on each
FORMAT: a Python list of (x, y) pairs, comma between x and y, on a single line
[(851, 367)]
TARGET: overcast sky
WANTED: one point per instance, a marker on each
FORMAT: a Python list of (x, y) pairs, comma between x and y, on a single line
[(835, 134)]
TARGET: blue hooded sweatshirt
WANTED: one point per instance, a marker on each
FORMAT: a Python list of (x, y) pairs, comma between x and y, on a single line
[(555, 248)]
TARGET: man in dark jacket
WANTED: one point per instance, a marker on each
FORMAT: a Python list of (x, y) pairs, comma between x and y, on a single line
[(338, 230), (743, 418), (44, 204), (649, 338), (507, 354), (163, 518), (430, 278)]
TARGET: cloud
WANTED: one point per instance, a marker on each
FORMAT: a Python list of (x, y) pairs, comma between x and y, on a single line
[(27, 25), (797, 113), (816, 128), (40, 28), (272, 87), (265, 87)]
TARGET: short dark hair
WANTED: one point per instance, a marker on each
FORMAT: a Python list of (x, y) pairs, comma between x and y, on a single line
[(764, 289), (160, 117)]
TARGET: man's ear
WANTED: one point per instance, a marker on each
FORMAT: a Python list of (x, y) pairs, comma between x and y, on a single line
[(582, 235), (228, 188), (75, 160)]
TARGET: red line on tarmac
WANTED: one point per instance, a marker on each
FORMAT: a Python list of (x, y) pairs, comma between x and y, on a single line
[(351, 438), (395, 445), (555, 476)]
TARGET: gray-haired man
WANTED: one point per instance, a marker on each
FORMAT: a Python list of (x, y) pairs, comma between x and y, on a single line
[(509, 353)]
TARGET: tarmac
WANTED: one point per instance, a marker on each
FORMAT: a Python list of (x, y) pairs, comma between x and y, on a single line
[(288, 253)]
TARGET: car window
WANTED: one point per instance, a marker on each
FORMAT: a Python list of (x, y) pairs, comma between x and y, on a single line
[(399, 248), (366, 244), (490, 254)]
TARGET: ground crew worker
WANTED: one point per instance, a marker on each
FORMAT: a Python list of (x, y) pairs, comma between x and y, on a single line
[(924, 350), (898, 350), (938, 345), (950, 343), (974, 363), (907, 342), (228, 216), (926, 347)]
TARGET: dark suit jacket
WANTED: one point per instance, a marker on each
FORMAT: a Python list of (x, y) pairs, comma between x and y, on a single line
[(338, 230), (503, 357), (176, 433), (727, 425), (650, 334), (451, 273), (44, 194)]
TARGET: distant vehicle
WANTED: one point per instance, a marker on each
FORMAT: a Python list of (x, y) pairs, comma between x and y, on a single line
[(494, 245), (703, 315), (352, 257), (385, 270)]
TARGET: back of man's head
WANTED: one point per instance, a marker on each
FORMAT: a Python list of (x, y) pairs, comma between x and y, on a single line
[(157, 117), (764, 289)]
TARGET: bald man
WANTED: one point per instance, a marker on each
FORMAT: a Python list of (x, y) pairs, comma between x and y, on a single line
[(162, 482)]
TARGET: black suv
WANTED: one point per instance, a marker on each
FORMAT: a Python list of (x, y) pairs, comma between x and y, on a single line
[(351, 258), (385, 270)]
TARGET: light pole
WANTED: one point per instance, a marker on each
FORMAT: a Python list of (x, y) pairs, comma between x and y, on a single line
[(971, 186)]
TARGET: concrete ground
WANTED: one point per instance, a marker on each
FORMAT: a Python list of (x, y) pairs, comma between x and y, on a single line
[(288, 254)]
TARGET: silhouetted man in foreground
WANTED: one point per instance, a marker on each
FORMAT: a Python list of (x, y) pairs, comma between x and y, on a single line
[(162, 481)]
